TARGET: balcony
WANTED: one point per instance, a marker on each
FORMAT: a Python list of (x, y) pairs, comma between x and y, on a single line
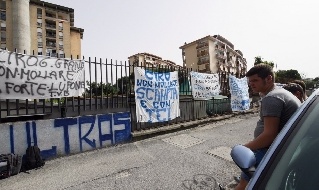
[(203, 61), (51, 44), (231, 63), (50, 15), (221, 57), (202, 45), (50, 35), (50, 26), (219, 49), (203, 54)]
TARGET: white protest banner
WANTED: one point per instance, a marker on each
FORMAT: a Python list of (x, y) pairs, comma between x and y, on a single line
[(239, 93), (31, 77), (204, 86), (156, 95)]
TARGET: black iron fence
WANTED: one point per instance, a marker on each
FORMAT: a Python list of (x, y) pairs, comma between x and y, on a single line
[(110, 88)]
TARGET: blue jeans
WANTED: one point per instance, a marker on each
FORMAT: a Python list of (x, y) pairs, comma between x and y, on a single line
[(259, 154)]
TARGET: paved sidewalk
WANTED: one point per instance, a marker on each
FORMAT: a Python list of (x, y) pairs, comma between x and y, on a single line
[(143, 134), (139, 135), (195, 158)]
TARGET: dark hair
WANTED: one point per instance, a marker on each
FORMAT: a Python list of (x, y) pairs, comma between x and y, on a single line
[(293, 88), (301, 83), (262, 70)]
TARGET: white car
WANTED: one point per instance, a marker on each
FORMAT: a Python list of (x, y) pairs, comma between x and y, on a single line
[(292, 161)]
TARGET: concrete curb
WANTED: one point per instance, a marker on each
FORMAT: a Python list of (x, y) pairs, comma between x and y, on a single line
[(148, 133)]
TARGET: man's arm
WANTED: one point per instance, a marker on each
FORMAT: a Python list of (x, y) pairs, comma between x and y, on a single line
[(265, 139)]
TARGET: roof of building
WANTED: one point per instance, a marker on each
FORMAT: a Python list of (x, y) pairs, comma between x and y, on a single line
[(155, 56), (59, 8), (217, 38), (221, 38), (238, 51), (51, 5), (80, 30), (152, 55)]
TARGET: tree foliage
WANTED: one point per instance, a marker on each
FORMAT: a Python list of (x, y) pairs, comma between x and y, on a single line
[(97, 89), (125, 85), (316, 79), (285, 76), (259, 60)]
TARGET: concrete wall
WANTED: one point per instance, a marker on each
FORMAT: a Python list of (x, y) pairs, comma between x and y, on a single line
[(191, 57), (75, 39), (63, 136)]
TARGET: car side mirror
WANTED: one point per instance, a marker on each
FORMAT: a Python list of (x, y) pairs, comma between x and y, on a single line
[(244, 158)]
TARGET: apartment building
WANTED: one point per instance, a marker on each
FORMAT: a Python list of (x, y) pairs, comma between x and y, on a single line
[(39, 28), (150, 60), (212, 54)]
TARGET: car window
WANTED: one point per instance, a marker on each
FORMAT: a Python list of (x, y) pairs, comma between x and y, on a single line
[(298, 163)]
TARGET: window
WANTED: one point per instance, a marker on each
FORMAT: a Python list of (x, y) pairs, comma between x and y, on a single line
[(3, 4), (39, 13), (3, 45), (3, 36), (295, 165), (2, 15)]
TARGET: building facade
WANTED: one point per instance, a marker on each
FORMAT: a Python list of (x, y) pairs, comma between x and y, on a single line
[(213, 54), (47, 30), (150, 60)]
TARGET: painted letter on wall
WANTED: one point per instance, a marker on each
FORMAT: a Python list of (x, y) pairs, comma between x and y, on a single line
[(64, 136)]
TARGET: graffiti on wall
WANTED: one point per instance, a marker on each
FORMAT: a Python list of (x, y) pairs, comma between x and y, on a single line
[(64, 136)]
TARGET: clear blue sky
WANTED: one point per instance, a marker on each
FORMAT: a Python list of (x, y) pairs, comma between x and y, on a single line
[(283, 31)]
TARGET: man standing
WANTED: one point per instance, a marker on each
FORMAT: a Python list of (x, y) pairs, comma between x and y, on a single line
[(277, 106)]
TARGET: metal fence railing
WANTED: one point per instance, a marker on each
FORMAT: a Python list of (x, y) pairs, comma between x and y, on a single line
[(110, 88)]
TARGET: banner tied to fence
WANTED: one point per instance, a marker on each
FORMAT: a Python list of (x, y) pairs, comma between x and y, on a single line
[(239, 93), (204, 86), (37, 77), (156, 95)]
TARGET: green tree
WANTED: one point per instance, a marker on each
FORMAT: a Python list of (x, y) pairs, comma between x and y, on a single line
[(285, 76), (259, 60), (124, 85), (309, 84), (316, 79), (97, 89)]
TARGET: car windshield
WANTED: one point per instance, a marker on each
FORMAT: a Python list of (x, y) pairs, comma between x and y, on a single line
[(296, 165)]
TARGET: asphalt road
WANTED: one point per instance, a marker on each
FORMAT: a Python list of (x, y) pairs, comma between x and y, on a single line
[(196, 158)]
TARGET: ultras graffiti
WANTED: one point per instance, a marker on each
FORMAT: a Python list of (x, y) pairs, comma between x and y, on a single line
[(66, 135)]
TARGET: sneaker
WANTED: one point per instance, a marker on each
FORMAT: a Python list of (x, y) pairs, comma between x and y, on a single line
[(237, 179)]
